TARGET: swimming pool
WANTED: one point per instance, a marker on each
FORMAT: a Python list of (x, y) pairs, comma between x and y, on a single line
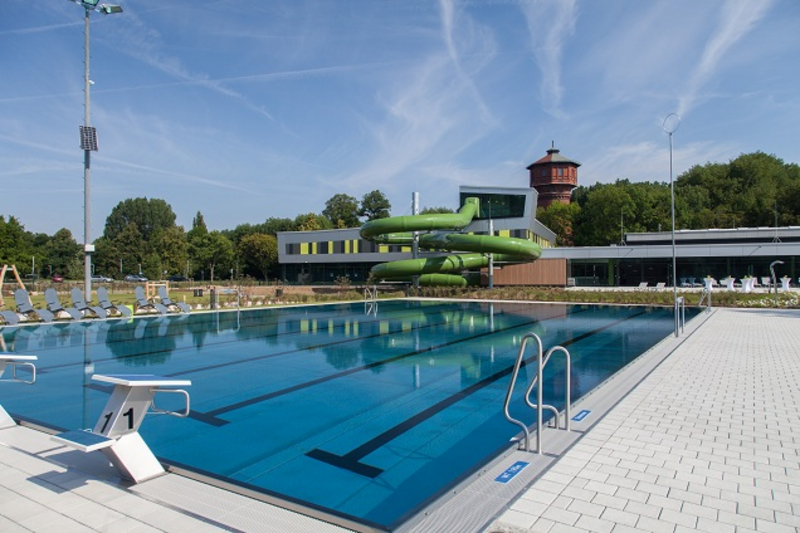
[(364, 415)]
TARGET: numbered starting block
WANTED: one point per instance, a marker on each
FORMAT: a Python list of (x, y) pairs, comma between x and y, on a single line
[(116, 432), (14, 361)]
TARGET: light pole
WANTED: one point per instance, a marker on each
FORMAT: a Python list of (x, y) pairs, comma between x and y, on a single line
[(670, 125), (774, 278), (89, 139)]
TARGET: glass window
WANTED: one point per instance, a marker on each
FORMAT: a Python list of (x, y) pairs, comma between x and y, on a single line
[(498, 205)]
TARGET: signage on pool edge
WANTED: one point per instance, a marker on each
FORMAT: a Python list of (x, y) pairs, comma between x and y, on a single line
[(581, 415), (511, 471)]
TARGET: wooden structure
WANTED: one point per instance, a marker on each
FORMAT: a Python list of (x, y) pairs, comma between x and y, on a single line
[(7, 268)]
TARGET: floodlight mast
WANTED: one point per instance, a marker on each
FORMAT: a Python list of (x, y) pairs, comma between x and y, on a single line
[(89, 139)]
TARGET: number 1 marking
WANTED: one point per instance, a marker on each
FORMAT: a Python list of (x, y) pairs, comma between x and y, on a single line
[(108, 419), (129, 414)]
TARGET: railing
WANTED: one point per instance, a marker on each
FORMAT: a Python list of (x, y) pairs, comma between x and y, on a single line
[(541, 362), (371, 300), (680, 315), (705, 295)]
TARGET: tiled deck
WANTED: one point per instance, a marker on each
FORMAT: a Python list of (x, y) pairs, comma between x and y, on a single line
[(709, 441)]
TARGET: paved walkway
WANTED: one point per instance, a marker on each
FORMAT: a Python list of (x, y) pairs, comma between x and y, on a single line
[(710, 441)]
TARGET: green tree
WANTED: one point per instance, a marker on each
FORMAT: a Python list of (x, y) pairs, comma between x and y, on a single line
[(342, 211), (311, 222), (560, 218), (436, 210), (16, 244), (149, 216), (374, 205), (172, 249), (259, 253), (211, 252), (273, 225), (64, 254)]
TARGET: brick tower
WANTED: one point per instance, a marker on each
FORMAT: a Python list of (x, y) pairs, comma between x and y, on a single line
[(553, 176)]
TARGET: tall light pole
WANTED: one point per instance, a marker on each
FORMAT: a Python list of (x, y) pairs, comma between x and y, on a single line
[(670, 125), (89, 139)]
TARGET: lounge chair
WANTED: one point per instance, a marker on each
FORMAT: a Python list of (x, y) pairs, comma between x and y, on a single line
[(143, 304), (766, 282), (10, 318), (659, 286), (642, 286), (80, 304), (55, 307), (169, 302), (24, 307), (107, 306)]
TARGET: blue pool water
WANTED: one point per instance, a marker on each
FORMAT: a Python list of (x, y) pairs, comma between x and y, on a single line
[(367, 416)]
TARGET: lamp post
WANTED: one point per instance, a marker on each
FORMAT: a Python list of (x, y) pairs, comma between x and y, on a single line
[(89, 139), (775, 278), (670, 126)]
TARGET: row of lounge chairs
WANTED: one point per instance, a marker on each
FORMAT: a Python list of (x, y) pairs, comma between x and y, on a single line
[(80, 309)]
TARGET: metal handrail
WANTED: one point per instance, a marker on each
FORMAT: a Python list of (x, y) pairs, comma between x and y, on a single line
[(541, 362), (703, 295), (179, 414), (680, 314), (514, 374)]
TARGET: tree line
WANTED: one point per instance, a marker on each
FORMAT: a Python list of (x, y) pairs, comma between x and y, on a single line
[(752, 190), (141, 236)]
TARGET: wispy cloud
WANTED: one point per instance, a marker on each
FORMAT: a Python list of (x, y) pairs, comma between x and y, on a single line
[(550, 24), (737, 18)]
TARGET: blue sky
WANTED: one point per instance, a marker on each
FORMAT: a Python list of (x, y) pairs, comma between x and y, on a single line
[(248, 109)]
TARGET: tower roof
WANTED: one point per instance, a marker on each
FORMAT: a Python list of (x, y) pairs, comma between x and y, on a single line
[(553, 156)]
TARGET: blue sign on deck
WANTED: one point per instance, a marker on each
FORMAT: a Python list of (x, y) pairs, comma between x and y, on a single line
[(511, 471), (581, 415)]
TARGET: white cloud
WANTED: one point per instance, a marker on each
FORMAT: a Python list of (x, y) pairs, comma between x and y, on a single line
[(550, 24), (737, 18)]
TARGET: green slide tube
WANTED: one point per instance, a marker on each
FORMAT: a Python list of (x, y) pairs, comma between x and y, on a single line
[(439, 270)]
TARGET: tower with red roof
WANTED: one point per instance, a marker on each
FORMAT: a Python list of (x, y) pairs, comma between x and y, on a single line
[(553, 176)]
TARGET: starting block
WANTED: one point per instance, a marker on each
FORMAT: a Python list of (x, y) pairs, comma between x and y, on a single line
[(14, 361), (116, 432)]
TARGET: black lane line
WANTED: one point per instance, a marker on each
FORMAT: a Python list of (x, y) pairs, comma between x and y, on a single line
[(306, 384), (352, 460), (44, 370), (302, 349)]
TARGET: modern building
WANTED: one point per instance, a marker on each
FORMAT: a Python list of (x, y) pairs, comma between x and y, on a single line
[(327, 255)]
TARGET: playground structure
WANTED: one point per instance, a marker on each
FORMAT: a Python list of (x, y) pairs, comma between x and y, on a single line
[(13, 269), (447, 269)]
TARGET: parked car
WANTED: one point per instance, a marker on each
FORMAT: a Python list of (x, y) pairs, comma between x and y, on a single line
[(178, 277), (135, 277), (58, 278), (101, 279)]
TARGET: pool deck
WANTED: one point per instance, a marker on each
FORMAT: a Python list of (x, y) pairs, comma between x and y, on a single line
[(709, 440)]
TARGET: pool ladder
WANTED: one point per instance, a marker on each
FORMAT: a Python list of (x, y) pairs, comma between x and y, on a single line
[(541, 362)]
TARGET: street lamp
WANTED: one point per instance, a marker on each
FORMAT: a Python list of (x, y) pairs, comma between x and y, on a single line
[(670, 125), (774, 278), (89, 139)]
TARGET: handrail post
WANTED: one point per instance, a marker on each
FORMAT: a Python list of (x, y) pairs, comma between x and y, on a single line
[(513, 381)]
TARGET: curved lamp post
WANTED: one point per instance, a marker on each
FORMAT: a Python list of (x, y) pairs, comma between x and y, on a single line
[(670, 126), (89, 139), (775, 278)]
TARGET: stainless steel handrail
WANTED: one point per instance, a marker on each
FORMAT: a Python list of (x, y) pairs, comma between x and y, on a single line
[(541, 362), (514, 374)]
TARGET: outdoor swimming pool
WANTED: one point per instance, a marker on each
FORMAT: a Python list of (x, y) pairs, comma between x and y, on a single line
[(369, 416)]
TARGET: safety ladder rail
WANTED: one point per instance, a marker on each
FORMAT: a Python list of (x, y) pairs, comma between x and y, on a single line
[(371, 300), (705, 295), (541, 362), (680, 313)]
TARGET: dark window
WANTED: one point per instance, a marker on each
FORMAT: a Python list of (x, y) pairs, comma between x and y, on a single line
[(498, 205), (338, 247), (292, 248), (322, 247)]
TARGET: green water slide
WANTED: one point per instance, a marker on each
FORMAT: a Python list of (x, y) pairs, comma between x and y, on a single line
[(444, 270)]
